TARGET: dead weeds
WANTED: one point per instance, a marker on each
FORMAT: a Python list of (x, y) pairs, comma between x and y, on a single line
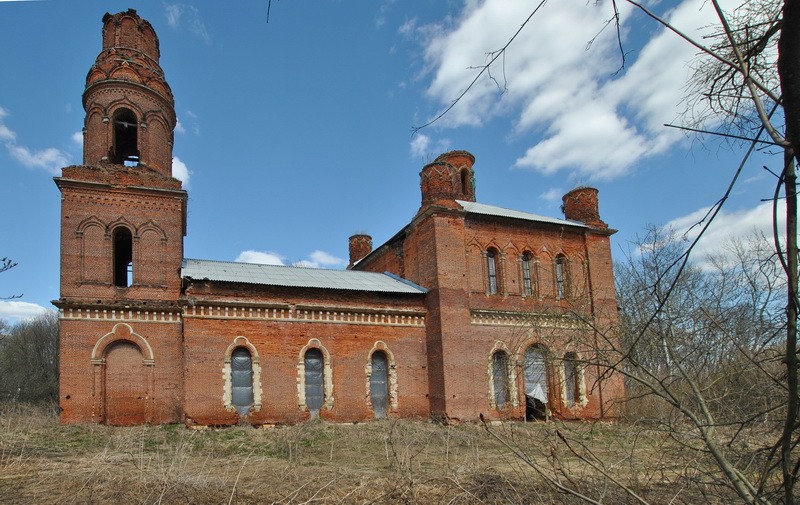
[(391, 461)]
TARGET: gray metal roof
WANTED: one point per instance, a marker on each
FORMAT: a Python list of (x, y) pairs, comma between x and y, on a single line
[(491, 210), (296, 277)]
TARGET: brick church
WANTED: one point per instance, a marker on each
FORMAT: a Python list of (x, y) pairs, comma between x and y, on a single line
[(468, 310)]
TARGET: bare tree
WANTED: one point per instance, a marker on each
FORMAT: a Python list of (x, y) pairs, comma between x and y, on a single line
[(7, 264), (752, 85), (29, 360)]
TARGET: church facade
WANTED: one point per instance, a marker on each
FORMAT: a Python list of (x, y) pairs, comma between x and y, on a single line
[(470, 310)]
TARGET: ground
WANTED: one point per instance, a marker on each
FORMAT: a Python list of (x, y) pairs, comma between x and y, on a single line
[(387, 461)]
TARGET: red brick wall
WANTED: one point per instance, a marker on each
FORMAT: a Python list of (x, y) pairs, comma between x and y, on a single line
[(89, 214), (209, 330), (84, 381)]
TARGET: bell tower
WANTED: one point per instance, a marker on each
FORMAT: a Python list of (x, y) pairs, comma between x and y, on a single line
[(123, 219), (123, 214), (130, 110)]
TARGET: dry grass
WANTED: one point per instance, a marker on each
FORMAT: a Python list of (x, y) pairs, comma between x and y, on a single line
[(378, 462)]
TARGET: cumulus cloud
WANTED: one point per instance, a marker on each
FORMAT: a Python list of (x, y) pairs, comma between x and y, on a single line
[(552, 195), (260, 257), (593, 124), (16, 310), (179, 127), (49, 159), (188, 17), (419, 145), (77, 138), (320, 259), (423, 147), (181, 172), (317, 259), (727, 226)]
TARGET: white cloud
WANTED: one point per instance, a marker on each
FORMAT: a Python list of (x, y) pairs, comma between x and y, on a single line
[(419, 145), (191, 122), (7, 135), (188, 16), (49, 159), (423, 147), (77, 138), (594, 125), (260, 257), (320, 259), (727, 226), (180, 171), (173, 13), (552, 195), (16, 310), (317, 259)]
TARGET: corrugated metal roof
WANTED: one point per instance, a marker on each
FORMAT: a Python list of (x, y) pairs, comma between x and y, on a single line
[(297, 277), (491, 210)]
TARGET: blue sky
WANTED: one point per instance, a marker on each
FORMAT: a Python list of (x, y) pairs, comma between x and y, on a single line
[(295, 134)]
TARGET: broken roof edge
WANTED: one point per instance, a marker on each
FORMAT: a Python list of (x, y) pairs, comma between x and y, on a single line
[(296, 277)]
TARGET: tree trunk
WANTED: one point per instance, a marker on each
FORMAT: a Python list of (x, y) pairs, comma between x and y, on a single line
[(789, 73)]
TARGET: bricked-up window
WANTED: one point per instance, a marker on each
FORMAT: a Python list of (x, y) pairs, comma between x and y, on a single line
[(535, 371), (500, 378), (571, 378), (527, 278), (241, 380), (491, 270), (123, 257), (379, 384), (126, 143), (315, 382), (562, 276)]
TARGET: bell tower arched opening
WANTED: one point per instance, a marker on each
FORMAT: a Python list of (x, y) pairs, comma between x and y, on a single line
[(125, 146)]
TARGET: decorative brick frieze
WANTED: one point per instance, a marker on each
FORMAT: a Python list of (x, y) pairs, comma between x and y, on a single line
[(120, 315), (308, 314), (516, 319)]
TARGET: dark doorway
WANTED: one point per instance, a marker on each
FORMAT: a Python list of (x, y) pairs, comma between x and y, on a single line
[(535, 383)]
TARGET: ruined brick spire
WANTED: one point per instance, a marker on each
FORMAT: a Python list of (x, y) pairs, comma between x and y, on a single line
[(130, 110)]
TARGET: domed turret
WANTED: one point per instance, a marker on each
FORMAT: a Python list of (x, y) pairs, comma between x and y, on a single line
[(450, 177), (130, 110)]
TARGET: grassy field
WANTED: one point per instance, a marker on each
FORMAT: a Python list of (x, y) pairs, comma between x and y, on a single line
[(377, 462)]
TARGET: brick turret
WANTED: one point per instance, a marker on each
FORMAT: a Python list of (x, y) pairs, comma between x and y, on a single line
[(360, 247), (130, 110), (581, 204), (448, 178)]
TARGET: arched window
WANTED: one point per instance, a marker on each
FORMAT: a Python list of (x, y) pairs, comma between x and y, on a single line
[(571, 379), (527, 275), (466, 187), (241, 380), (126, 143), (535, 368), (500, 378), (379, 384), (315, 382), (562, 277), (491, 271), (123, 257)]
